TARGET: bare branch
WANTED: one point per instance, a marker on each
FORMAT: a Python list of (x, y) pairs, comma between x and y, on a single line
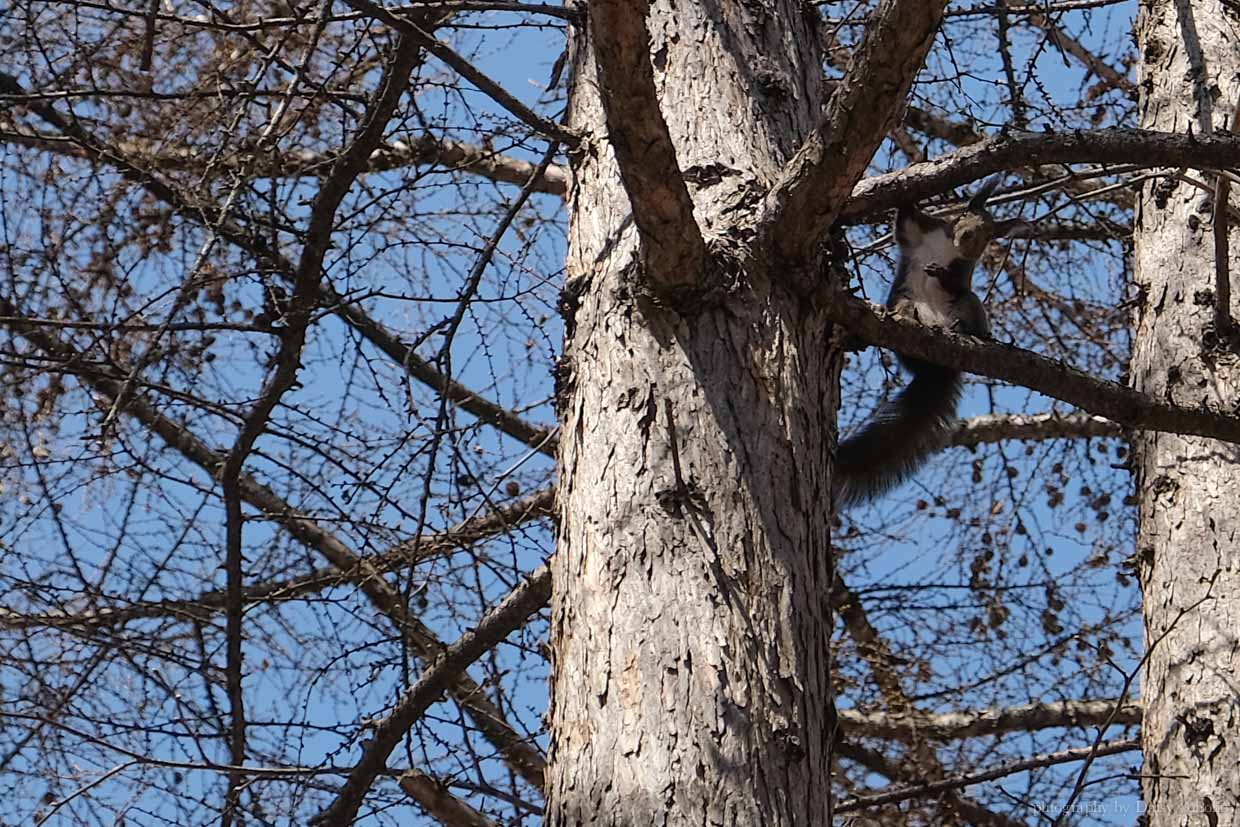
[(468, 158), (267, 23), (287, 362), (1000, 428), (398, 558), (1016, 98), (814, 187), (542, 440), (951, 726), (496, 625), (1222, 262), (1009, 768), (1111, 400), (1223, 323), (959, 133), (439, 803), (1141, 147), (1047, 7), (370, 329), (672, 244), (408, 27), (428, 150), (876, 762), (1129, 677), (936, 126), (1070, 45), (1073, 231), (921, 762), (968, 433), (524, 758)]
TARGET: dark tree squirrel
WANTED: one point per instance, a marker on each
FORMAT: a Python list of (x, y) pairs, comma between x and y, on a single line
[(934, 286)]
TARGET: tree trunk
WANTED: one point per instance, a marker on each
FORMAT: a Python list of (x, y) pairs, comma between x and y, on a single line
[(1189, 487), (690, 623)]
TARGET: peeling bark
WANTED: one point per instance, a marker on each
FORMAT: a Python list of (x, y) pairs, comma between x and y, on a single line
[(1188, 486), (689, 613)]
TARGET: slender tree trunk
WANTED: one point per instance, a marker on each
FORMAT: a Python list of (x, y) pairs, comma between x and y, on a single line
[(1189, 487), (690, 631)]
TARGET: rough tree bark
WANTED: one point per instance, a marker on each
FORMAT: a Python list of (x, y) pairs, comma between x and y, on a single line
[(1188, 486), (690, 624), (689, 620)]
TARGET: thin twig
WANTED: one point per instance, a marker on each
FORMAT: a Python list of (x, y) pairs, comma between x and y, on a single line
[(1095, 750), (958, 781), (467, 70), (85, 788), (399, 557), (496, 625)]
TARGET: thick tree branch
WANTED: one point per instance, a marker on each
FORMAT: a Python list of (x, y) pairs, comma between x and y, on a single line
[(1141, 147), (672, 246), (496, 625), (959, 133), (1002, 427), (1056, 379), (972, 724), (1043, 7), (963, 134), (865, 107), (441, 804)]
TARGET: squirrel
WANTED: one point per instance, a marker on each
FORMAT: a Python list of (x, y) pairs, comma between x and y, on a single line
[(933, 285)]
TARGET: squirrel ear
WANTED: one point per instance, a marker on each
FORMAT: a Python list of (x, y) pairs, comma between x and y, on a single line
[(983, 194), (910, 226)]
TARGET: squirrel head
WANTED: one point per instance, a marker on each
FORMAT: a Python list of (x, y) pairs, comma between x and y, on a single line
[(938, 241)]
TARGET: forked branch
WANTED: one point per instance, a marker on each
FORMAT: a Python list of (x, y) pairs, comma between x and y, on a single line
[(672, 246), (865, 106)]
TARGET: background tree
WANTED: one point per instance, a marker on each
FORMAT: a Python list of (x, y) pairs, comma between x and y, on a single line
[(1184, 348), (284, 289)]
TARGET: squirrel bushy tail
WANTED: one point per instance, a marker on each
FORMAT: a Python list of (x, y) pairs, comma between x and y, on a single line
[(900, 437)]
